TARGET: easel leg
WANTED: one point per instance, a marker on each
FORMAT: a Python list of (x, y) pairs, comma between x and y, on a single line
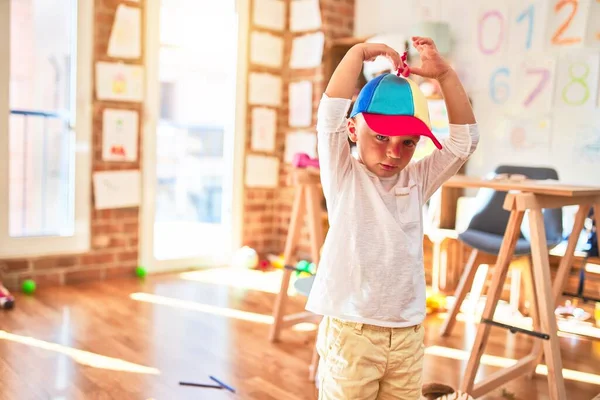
[(566, 263), (541, 268), (466, 281), (502, 263), (290, 243), (530, 294), (314, 222)]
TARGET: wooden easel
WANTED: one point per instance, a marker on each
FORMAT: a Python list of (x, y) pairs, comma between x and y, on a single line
[(307, 202), (533, 199)]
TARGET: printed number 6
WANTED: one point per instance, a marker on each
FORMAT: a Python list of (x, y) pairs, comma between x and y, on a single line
[(499, 91)]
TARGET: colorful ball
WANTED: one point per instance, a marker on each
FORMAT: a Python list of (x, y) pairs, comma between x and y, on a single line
[(28, 286), (141, 272)]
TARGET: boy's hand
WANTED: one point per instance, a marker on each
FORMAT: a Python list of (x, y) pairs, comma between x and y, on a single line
[(433, 64), (371, 51)]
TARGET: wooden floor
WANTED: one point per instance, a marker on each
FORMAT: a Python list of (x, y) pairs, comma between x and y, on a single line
[(131, 339)]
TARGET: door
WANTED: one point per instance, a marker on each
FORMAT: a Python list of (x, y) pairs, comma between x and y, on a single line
[(189, 133)]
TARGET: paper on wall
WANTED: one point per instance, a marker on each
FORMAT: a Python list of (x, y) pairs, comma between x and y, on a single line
[(120, 82), (119, 135), (307, 51), (300, 142), (529, 134), (567, 22), (301, 104), (125, 37), (305, 15), (266, 49), (116, 189), (536, 76), (593, 26), (262, 171), (577, 80), (264, 128), (264, 89), (269, 14), (526, 26)]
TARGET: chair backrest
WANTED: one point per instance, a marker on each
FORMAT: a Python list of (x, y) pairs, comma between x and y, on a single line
[(491, 217)]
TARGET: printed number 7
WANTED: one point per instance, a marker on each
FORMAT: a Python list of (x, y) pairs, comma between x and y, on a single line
[(545, 75)]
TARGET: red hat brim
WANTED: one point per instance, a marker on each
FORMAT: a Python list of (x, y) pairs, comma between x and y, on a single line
[(399, 125)]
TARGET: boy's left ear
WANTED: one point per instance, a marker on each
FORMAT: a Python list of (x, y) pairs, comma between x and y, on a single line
[(352, 130)]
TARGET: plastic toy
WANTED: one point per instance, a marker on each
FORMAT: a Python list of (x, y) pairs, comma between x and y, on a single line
[(276, 261), (303, 160), (303, 268), (263, 265), (7, 301), (219, 384), (246, 257), (28, 286), (141, 272)]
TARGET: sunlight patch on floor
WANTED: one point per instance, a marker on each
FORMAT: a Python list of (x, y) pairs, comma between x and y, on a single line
[(503, 362), (82, 357), (205, 308), (267, 281), (215, 310)]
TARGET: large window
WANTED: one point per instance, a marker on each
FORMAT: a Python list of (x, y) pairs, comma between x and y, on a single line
[(45, 99)]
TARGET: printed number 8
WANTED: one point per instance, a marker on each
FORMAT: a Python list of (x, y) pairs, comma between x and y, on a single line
[(577, 80)]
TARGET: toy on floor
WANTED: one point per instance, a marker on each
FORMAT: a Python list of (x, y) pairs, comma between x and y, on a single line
[(276, 261), (245, 257), (141, 272), (7, 301), (218, 385), (303, 268), (439, 391), (28, 286), (435, 302)]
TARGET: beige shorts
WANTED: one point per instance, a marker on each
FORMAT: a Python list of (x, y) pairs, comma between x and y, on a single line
[(360, 362)]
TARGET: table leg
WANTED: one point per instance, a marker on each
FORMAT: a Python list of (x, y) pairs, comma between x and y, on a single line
[(495, 290), (541, 268)]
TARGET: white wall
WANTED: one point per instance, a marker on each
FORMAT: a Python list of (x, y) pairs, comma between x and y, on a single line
[(571, 141)]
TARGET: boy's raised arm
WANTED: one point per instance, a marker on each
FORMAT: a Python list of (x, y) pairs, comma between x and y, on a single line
[(343, 81), (434, 66)]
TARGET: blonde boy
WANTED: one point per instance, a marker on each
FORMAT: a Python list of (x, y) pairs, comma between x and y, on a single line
[(370, 285)]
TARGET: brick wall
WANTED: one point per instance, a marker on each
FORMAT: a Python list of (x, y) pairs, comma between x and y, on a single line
[(114, 233), (267, 211)]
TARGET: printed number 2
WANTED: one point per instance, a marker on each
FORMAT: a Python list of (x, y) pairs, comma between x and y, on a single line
[(529, 12), (557, 38)]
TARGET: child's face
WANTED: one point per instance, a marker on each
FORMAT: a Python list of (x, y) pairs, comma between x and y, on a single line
[(384, 156)]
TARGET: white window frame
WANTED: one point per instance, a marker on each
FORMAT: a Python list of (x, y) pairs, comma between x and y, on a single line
[(79, 242)]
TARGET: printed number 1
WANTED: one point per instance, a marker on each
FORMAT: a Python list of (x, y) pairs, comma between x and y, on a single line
[(529, 12)]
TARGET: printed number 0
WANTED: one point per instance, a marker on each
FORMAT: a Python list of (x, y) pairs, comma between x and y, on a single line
[(484, 17), (557, 39), (577, 80), (502, 87)]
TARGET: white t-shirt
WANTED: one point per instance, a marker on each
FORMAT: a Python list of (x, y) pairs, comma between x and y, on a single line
[(371, 268)]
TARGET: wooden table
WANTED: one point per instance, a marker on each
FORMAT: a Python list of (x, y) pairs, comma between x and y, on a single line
[(532, 197)]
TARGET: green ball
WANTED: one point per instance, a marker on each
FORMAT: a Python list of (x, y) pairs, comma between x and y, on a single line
[(140, 272), (28, 286)]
